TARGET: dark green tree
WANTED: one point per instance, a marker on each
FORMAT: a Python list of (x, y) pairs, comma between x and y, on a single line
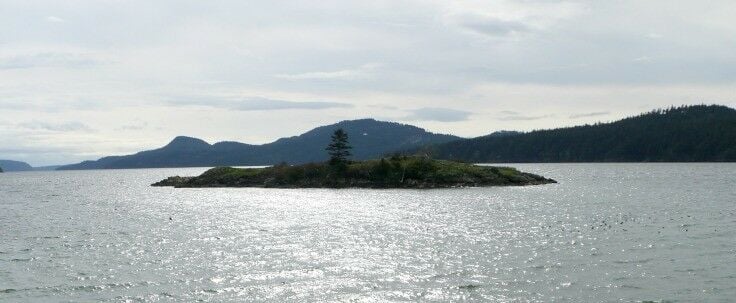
[(339, 148)]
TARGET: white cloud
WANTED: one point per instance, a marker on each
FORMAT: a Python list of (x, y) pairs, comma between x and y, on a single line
[(586, 115), (345, 74), (54, 19), (47, 59), (340, 74), (438, 114), (258, 103), (508, 115)]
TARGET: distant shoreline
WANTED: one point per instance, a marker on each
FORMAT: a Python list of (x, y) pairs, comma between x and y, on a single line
[(688, 134), (263, 166)]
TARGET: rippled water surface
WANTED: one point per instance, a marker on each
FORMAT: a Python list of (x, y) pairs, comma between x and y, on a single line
[(606, 232)]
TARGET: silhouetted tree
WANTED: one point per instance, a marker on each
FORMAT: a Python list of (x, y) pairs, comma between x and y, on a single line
[(339, 149)]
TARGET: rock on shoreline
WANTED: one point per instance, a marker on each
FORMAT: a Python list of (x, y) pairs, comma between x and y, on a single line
[(172, 181)]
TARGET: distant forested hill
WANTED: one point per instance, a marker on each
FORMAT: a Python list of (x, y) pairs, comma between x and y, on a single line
[(10, 165), (682, 134), (370, 139)]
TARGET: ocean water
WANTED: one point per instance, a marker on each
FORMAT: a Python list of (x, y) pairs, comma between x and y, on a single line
[(605, 233)]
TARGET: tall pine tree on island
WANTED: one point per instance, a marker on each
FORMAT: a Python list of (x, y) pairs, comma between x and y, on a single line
[(339, 151), (339, 148)]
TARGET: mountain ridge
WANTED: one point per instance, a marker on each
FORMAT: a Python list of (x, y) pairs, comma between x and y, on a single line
[(14, 166), (696, 133), (371, 138)]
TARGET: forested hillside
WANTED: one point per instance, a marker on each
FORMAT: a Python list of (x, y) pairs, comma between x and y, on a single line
[(679, 134)]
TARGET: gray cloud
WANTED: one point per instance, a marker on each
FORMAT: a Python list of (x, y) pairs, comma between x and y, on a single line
[(56, 127), (492, 26), (585, 115), (516, 116), (260, 104), (343, 74), (383, 106), (271, 104), (48, 59), (438, 114), (134, 125), (53, 105)]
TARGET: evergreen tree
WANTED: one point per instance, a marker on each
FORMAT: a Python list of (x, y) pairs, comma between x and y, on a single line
[(339, 149)]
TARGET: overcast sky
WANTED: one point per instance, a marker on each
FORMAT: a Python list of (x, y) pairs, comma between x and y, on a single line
[(83, 79)]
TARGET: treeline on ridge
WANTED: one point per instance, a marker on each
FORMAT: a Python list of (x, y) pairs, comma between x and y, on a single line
[(697, 133)]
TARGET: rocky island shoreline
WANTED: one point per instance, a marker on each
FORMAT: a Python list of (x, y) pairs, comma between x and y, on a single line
[(394, 172)]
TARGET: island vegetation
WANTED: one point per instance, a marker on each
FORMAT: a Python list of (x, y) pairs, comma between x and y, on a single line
[(339, 172)]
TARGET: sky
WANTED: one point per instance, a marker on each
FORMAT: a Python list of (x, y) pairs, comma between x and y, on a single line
[(84, 79)]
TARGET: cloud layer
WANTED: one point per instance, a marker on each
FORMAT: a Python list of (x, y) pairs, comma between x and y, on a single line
[(126, 70), (438, 114), (258, 104)]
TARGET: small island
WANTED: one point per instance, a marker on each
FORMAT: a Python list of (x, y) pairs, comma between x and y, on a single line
[(395, 172), (391, 172)]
